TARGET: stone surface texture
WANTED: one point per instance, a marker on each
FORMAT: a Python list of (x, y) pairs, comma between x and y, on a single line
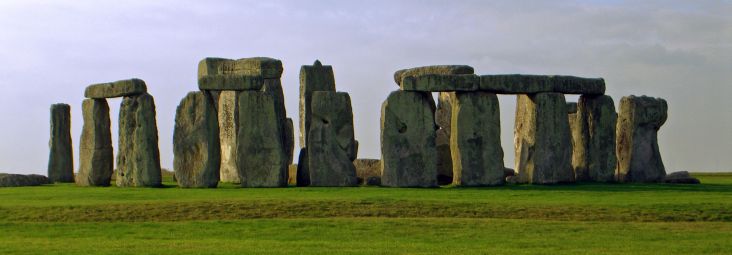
[(443, 119), (593, 136), (531, 84), (228, 125), (95, 149), (331, 144), (138, 159), (260, 150), (20, 180), (639, 119), (120, 88), (196, 144), (267, 68), (436, 69), (316, 77), (61, 156)]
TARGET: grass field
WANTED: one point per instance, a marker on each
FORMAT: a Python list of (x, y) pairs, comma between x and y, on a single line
[(515, 219)]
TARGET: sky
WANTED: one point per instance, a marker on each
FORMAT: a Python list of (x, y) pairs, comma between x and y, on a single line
[(677, 50)]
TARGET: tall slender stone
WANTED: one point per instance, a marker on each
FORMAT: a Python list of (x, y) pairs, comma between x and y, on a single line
[(138, 159), (316, 77), (262, 158), (95, 149), (331, 140), (542, 139), (409, 156), (303, 171), (60, 160), (196, 145), (289, 140), (639, 120), (475, 141), (228, 118), (443, 119), (593, 135)]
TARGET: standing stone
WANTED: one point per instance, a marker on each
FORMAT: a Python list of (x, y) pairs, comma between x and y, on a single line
[(475, 141), (303, 173), (331, 140), (60, 160), (593, 139), (289, 140), (316, 77), (409, 156), (274, 88), (639, 120), (542, 139), (138, 159), (196, 147), (228, 125), (442, 139), (262, 158), (95, 149)]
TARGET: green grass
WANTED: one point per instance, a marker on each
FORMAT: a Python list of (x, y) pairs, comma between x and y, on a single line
[(520, 219)]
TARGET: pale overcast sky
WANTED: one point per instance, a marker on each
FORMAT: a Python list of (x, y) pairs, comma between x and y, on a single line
[(678, 50)]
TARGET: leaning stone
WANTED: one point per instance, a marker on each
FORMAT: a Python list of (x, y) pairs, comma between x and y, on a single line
[(593, 134), (366, 168), (196, 145), (228, 125), (316, 77), (437, 69), (409, 156), (475, 141), (442, 137), (639, 120), (121, 88), (681, 177), (60, 160), (330, 140), (138, 159), (261, 155), (531, 84), (95, 148), (542, 139), (20, 180), (267, 68), (441, 82)]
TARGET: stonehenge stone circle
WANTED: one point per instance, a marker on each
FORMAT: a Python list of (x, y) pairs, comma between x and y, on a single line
[(95, 148), (120, 88), (228, 125), (408, 152), (531, 84), (60, 160), (196, 145), (639, 120), (289, 142), (542, 139), (330, 140), (259, 142), (138, 158), (443, 119), (593, 135), (316, 77), (475, 140)]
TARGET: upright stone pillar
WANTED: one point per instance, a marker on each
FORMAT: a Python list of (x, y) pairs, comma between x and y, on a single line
[(475, 142), (593, 134), (262, 158), (331, 143), (138, 159), (542, 139), (60, 160), (442, 140), (95, 149), (196, 148), (409, 156), (312, 78), (639, 120), (228, 125)]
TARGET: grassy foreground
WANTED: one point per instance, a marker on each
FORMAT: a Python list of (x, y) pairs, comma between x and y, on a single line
[(516, 219)]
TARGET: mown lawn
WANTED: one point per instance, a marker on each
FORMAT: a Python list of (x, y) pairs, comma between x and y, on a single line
[(516, 219)]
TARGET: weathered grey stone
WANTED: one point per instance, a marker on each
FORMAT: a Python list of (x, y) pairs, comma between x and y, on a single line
[(261, 154), (95, 148), (639, 120), (571, 107), (441, 82), (475, 141), (366, 168), (121, 88), (680, 177), (19, 180), (138, 159), (61, 159), (542, 139), (593, 139), (436, 69), (196, 144), (409, 156), (274, 88), (443, 120), (228, 118), (289, 140), (331, 140), (230, 82), (316, 77), (531, 84), (303, 173), (267, 68)]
